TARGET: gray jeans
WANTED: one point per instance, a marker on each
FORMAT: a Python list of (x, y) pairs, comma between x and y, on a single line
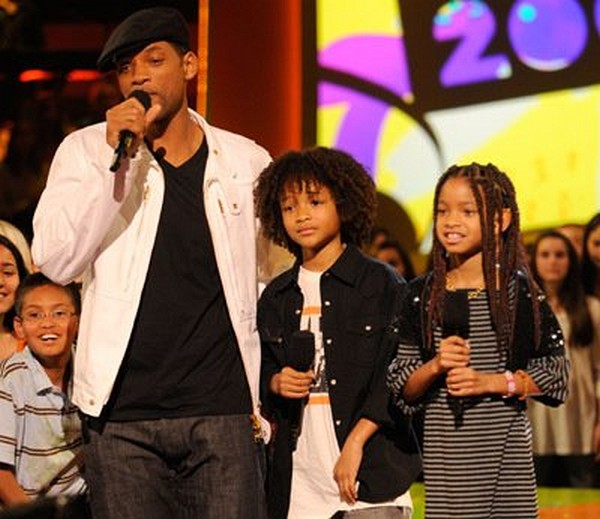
[(376, 512), (179, 468)]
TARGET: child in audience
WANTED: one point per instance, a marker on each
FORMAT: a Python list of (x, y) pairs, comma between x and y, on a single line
[(338, 450), (18, 238), (392, 253), (12, 271), (39, 427)]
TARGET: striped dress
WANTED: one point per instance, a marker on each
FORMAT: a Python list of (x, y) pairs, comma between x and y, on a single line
[(477, 455)]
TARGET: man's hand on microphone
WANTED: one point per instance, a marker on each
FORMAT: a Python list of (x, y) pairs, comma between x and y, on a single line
[(129, 115), (290, 383)]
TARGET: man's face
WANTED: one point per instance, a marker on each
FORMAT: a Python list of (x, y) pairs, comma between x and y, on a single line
[(161, 70), (48, 324)]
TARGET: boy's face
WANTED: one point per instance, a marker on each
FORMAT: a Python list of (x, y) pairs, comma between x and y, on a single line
[(48, 324), (311, 219)]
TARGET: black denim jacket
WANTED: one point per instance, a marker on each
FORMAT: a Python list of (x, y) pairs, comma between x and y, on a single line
[(359, 296)]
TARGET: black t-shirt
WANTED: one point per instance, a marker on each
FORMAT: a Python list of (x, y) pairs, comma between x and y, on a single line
[(183, 358)]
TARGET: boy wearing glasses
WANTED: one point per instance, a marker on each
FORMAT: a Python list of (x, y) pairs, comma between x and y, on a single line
[(40, 431)]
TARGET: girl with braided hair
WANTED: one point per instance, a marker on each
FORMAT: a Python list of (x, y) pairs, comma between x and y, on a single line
[(476, 339)]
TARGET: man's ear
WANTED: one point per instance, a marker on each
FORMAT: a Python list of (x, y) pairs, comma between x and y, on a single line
[(190, 65), (506, 219)]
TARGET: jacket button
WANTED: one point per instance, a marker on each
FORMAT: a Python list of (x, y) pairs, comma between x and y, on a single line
[(333, 381), (338, 423), (298, 311), (368, 328), (327, 303), (328, 341)]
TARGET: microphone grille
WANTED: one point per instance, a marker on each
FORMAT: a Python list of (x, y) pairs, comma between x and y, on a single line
[(142, 96)]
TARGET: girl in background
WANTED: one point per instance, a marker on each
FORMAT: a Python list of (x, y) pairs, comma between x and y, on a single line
[(475, 340), (12, 271), (566, 439), (590, 261)]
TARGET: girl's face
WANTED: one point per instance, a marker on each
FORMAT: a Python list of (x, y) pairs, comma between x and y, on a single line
[(9, 279), (552, 260), (457, 222), (593, 246)]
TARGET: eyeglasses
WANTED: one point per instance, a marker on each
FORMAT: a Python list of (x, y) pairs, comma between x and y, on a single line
[(58, 316)]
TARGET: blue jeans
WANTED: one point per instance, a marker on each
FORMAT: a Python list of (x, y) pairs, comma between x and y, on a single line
[(179, 468)]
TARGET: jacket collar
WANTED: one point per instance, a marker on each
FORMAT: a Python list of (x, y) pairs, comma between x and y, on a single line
[(347, 268)]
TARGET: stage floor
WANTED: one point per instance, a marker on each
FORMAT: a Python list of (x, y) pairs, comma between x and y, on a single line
[(555, 503)]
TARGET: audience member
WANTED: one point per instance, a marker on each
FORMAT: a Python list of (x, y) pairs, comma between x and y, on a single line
[(566, 439), (40, 433), (392, 253), (574, 232), (12, 272), (16, 236), (377, 237), (590, 260)]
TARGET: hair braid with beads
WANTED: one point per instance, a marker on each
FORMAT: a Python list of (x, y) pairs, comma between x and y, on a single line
[(502, 251)]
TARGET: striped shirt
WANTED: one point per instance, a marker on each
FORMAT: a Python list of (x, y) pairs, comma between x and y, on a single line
[(39, 428), (477, 453)]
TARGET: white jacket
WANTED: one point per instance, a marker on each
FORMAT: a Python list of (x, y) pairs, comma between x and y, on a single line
[(102, 226)]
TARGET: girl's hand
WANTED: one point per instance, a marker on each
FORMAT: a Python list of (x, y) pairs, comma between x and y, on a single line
[(290, 383), (465, 381), (346, 470), (453, 352)]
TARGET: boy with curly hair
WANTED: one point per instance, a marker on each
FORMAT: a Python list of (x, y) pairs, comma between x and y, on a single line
[(337, 449)]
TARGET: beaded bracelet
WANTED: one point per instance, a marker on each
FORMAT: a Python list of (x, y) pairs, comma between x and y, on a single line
[(510, 382), (525, 378)]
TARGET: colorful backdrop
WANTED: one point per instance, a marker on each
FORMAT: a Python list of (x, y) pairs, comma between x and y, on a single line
[(410, 87)]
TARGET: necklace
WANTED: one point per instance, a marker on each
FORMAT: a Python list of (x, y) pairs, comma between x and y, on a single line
[(471, 294)]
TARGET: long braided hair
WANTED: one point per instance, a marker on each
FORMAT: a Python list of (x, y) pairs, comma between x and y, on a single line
[(503, 252)]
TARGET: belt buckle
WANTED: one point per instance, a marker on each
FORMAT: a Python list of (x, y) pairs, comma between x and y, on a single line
[(257, 432)]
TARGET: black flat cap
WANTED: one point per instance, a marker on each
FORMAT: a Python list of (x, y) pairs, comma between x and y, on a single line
[(143, 28)]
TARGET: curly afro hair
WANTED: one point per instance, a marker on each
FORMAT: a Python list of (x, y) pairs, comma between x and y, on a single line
[(350, 184)]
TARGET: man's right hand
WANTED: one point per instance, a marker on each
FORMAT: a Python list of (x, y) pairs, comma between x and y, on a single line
[(290, 383), (129, 115)]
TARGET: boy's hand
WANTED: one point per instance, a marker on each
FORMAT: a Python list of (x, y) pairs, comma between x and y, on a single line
[(453, 352), (346, 470), (290, 383)]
